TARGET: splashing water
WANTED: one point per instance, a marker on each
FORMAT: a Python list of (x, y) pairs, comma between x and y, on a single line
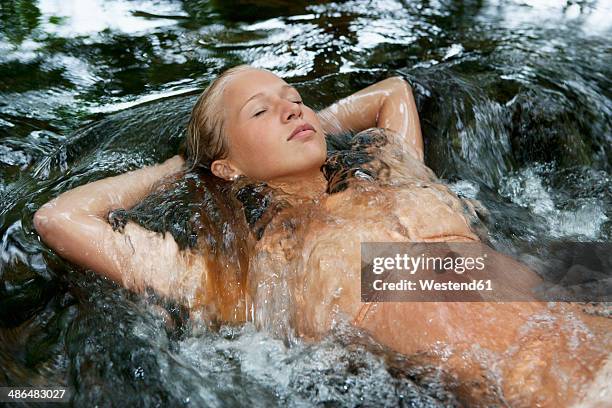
[(515, 107)]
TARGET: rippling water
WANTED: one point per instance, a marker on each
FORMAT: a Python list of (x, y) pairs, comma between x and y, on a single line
[(515, 103)]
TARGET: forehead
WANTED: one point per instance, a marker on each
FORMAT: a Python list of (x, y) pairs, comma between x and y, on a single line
[(243, 85)]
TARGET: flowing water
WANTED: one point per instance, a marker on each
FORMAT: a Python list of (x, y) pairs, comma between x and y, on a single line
[(515, 105)]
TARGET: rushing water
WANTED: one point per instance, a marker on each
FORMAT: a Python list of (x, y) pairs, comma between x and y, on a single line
[(515, 103)]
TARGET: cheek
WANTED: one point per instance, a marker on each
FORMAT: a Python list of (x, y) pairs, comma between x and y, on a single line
[(256, 143)]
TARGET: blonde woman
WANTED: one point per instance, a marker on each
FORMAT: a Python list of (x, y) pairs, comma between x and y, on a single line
[(303, 262)]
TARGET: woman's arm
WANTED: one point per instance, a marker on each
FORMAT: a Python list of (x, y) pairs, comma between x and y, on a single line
[(386, 104), (75, 226)]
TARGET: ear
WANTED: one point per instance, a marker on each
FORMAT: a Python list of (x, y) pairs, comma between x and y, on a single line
[(224, 169)]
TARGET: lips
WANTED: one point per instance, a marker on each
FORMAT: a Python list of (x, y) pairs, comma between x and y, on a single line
[(301, 128)]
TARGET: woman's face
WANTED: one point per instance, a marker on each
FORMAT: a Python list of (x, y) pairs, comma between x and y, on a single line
[(262, 113)]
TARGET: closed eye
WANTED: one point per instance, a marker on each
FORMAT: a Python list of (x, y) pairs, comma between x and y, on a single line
[(299, 102)]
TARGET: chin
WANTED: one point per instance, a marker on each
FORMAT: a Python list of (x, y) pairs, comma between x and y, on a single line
[(320, 158), (313, 162), (322, 151)]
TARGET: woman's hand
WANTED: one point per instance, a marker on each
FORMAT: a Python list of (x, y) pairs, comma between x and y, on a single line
[(386, 104)]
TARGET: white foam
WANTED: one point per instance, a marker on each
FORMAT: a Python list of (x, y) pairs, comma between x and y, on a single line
[(527, 188)]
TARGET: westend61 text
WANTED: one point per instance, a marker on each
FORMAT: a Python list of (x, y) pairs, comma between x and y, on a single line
[(430, 284), (475, 272), (411, 264)]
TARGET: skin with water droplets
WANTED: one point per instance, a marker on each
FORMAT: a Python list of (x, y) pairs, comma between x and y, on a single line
[(303, 274)]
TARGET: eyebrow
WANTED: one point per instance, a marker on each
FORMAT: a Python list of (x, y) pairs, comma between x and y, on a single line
[(258, 94)]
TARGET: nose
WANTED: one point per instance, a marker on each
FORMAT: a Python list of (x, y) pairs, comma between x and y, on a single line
[(291, 111)]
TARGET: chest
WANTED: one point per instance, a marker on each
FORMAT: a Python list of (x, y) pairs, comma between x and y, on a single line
[(307, 263), (370, 213)]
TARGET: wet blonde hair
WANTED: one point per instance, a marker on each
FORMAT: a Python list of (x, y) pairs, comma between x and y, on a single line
[(206, 139)]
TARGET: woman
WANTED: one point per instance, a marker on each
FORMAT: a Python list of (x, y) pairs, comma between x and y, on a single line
[(303, 258)]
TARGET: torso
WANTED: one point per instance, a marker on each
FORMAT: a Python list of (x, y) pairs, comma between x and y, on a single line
[(307, 263), (304, 275)]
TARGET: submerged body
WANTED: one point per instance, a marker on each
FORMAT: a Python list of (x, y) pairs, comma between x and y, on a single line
[(307, 278), (302, 274)]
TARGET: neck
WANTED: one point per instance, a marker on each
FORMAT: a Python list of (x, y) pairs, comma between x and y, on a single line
[(305, 186)]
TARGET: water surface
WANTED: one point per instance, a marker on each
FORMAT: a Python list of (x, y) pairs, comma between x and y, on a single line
[(515, 103)]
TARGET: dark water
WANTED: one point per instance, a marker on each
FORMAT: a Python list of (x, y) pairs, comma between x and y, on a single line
[(515, 103)]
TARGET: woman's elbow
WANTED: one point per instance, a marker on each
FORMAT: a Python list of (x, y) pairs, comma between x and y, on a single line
[(42, 221), (48, 219), (65, 232), (397, 82)]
